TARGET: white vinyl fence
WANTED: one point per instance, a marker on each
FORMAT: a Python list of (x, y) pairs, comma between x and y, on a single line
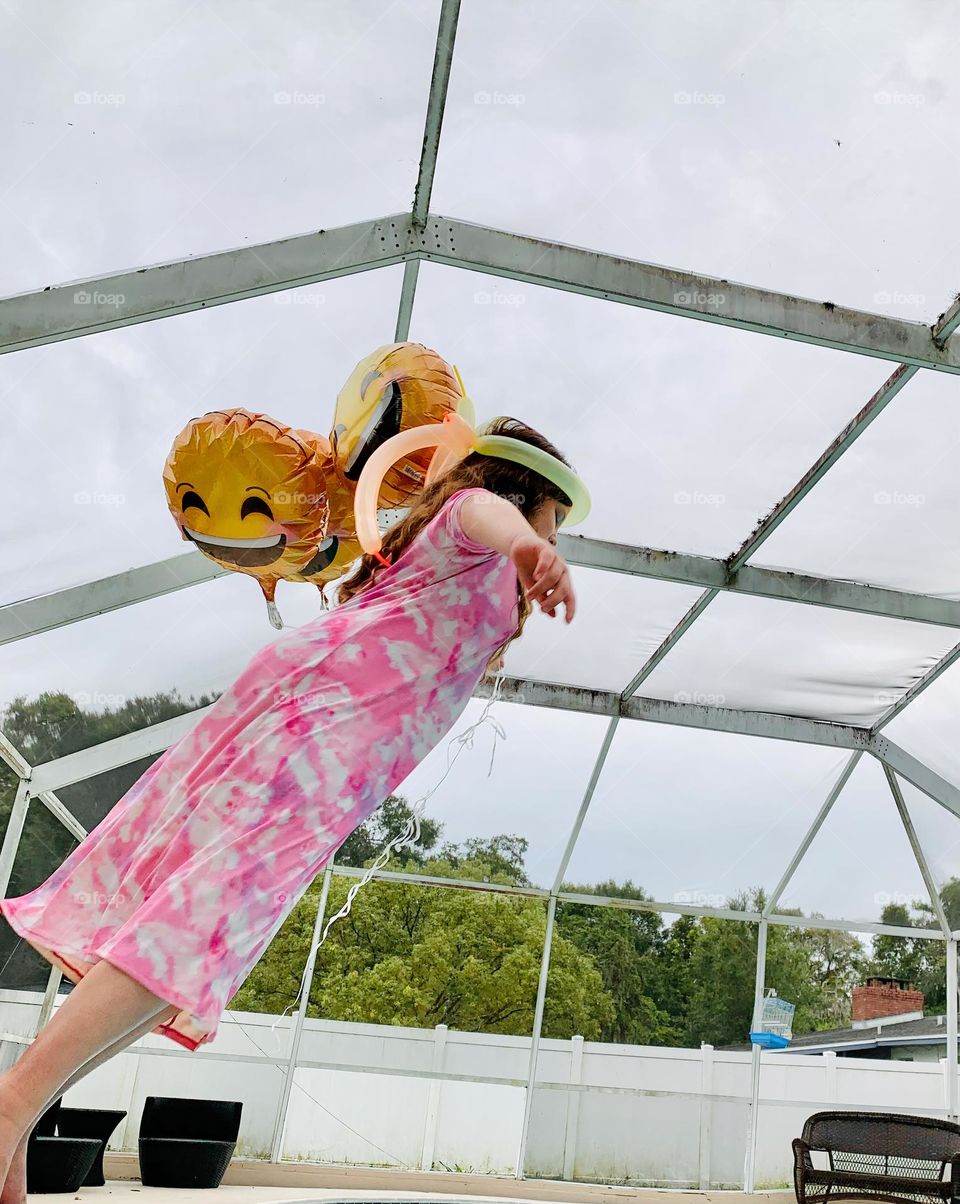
[(435, 1098)]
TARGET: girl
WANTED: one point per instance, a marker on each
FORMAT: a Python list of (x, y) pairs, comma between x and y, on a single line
[(162, 911)]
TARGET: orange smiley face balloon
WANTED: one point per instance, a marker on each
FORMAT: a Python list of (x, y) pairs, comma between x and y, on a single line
[(396, 387), (251, 494)]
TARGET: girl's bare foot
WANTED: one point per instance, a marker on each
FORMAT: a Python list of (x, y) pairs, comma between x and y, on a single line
[(15, 1188)]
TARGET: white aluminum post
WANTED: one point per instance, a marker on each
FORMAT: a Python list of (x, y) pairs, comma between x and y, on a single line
[(431, 1119), (535, 1038), (750, 1159), (281, 1118), (11, 837), (706, 1114), (49, 998), (573, 1109)]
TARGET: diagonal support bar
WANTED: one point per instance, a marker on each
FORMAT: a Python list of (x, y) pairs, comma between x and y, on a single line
[(819, 820), (922, 864), (913, 770)]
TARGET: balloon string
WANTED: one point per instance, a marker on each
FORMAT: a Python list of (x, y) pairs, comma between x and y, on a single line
[(412, 830)]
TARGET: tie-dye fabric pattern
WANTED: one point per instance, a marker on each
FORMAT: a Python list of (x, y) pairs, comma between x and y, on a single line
[(188, 878)]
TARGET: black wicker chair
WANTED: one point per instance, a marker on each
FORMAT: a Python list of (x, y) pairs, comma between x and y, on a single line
[(878, 1155), (98, 1123), (187, 1142), (58, 1164)]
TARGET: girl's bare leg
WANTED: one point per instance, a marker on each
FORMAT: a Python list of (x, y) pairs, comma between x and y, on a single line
[(106, 1009), (15, 1188)]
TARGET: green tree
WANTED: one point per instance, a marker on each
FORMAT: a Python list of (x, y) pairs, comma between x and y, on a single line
[(626, 946), (722, 967), (43, 729), (505, 855), (421, 956), (918, 959), (388, 822)]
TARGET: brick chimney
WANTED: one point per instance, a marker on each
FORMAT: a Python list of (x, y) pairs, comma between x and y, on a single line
[(885, 997)]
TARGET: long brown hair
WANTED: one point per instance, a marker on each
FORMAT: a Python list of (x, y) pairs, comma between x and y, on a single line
[(524, 487)]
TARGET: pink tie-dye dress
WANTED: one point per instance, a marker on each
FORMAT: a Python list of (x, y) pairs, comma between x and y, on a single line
[(189, 877)]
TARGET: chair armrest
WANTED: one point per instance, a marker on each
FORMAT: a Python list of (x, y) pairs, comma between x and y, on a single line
[(801, 1154), (802, 1162)]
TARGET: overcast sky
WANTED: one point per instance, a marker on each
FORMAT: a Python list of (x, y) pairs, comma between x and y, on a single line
[(808, 148)]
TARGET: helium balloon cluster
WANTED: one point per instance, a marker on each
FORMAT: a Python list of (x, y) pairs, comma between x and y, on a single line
[(279, 504)]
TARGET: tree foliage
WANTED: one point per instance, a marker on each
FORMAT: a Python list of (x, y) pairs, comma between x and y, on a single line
[(415, 955), (421, 956)]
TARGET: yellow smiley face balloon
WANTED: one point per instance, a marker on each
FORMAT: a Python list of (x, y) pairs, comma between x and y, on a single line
[(398, 386), (251, 494)]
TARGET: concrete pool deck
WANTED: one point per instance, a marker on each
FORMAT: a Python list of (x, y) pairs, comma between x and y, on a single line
[(250, 1181)]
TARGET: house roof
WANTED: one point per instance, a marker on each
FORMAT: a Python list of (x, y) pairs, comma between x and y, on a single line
[(930, 1030)]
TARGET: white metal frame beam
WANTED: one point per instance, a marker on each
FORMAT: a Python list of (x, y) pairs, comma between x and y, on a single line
[(83, 307), (89, 762), (147, 293), (46, 612), (686, 568)]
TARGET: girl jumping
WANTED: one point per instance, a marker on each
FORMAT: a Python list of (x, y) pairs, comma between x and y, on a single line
[(162, 911)]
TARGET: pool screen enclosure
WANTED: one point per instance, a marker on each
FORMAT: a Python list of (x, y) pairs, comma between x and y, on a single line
[(707, 602)]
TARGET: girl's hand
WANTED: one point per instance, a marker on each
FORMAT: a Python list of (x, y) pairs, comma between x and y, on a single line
[(544, 574)]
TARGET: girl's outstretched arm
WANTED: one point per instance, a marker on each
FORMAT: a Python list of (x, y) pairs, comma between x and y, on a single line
[(492, 520)]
